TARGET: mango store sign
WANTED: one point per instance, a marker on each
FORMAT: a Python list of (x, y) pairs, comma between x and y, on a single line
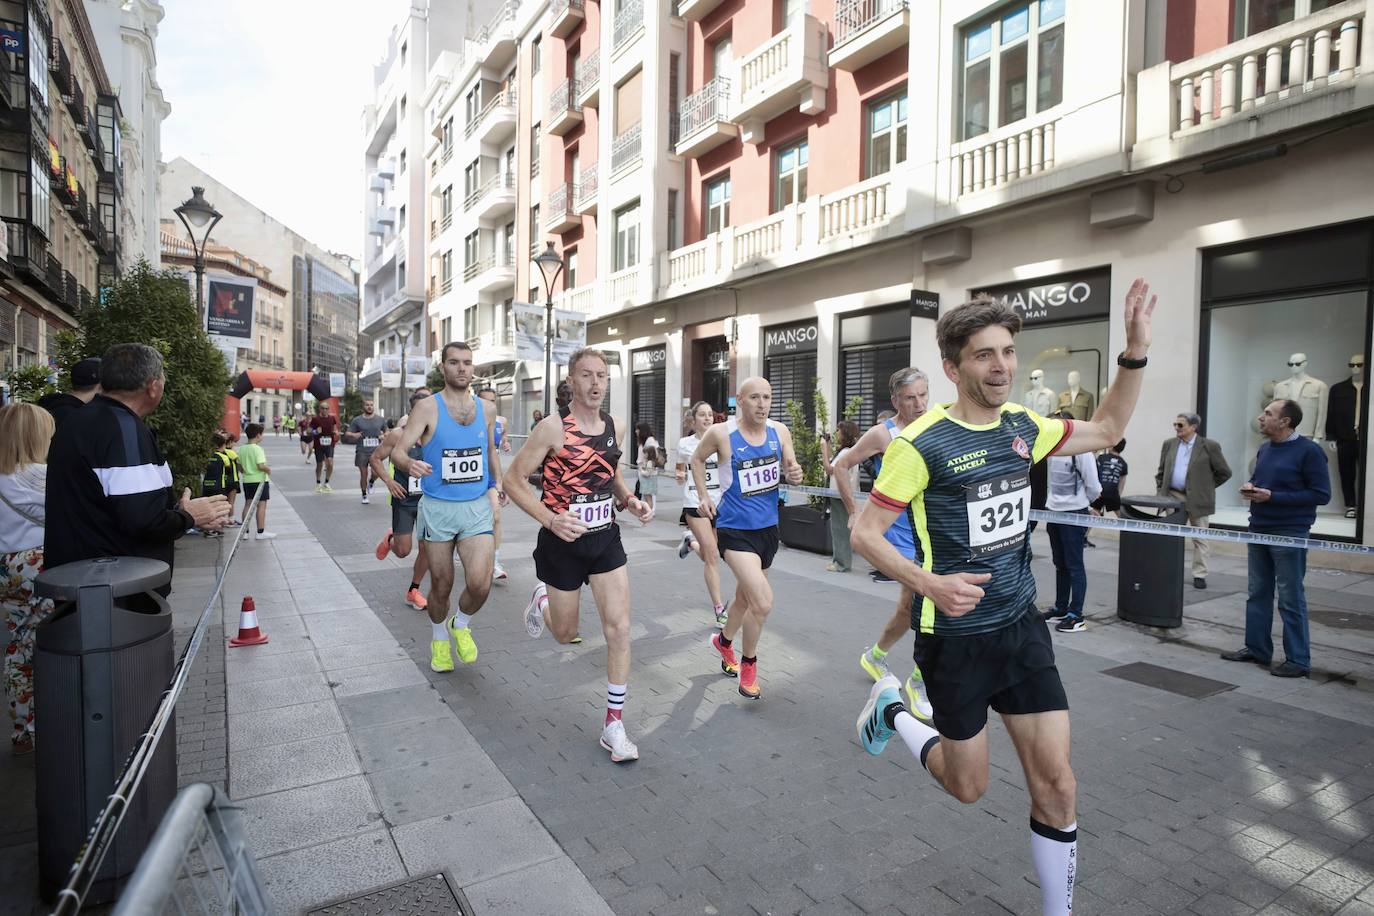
[(1077, 296)]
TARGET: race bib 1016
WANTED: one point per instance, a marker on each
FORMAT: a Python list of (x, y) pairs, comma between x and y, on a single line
[(759, 475), (596, 510), (462, 465), (998, 513)]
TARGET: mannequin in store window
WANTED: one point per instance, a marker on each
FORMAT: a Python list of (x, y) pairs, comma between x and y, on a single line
[(1075, 400), (1038, 397), (1310, 393), (1343, 431)]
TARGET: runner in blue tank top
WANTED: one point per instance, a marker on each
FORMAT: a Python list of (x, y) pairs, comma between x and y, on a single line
[(910, 392), (498, 573), (405, 504), (458, 440), (760, 455)]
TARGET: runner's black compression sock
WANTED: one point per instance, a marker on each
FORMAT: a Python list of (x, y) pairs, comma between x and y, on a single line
[(748, 660), (723, 641), (415, 586)]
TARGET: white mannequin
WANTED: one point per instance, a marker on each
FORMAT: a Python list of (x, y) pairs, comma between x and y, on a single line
[(1039, 398), (1075, 383), (1075, 399), (1310, 393)]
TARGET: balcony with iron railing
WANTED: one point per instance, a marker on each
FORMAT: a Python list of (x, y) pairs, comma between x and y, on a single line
[(627, 150), (1313, 69), (564, 16), (493, 198), (564, 111), (60, 66), (28, 249), (587, 79), (75, 101), (52, 279), (498, 37), (490, 273), (866, 30), (496, 121), (705, 120), (585, 191), (560, 212), (628, 25)]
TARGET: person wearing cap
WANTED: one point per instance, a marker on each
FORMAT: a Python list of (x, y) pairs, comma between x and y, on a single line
[(85, 386)]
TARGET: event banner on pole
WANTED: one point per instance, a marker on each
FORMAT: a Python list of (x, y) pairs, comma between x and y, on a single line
[(229, 307), (417, 370), (569, 334), (391, 370), (529, 330), (337, 384)]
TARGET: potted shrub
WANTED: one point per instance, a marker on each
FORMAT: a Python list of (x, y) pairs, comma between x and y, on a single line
[(806, 525)]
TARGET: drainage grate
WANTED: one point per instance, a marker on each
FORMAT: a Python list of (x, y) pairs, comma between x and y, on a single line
[(1179, 682), (430, 894), (1341, 620)]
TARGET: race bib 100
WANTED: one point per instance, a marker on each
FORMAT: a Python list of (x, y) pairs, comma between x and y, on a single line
[(371, 442), (462, 465), (998, 513), (596, 510), (758, 475)]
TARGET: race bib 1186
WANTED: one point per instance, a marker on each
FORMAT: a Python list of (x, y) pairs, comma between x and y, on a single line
[(759, 475), (998, 512), (462, 465)]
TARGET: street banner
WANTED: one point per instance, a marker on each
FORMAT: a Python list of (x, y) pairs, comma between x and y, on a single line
[(529, 330), (229, 350), (569, 334), (417, 369), (391, 370), (337, 382), (229, 307)]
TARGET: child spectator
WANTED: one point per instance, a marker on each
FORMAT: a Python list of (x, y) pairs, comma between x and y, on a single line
[(255, 473)]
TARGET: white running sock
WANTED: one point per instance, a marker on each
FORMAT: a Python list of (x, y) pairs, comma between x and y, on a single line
[(461, 620), (919, 737), (615, 696), (1056, 860), (438, 633)]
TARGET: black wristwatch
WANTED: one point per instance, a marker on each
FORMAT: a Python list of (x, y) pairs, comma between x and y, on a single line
[(1126, 363)]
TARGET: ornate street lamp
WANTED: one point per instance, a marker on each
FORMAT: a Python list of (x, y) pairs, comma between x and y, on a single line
[(548, 260), (200, 219)]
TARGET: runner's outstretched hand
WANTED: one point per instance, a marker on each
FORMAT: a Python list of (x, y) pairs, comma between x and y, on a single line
[(642, 510), (1140, 306)]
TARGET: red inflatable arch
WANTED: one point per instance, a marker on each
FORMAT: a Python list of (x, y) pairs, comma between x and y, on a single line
[(317, 385)]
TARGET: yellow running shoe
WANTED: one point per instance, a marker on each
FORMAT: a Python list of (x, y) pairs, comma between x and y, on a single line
[(440, 657), (467, 649), (875, 668), (918, 701)]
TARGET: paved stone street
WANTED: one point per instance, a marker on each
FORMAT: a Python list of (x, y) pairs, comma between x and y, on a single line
[(360, 766)]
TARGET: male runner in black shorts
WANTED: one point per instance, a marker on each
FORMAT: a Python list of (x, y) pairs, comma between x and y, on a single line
[(964, 467), (324, 431)]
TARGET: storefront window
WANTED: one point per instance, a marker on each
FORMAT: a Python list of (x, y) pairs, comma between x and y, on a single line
[(789, 364), (648, 390)]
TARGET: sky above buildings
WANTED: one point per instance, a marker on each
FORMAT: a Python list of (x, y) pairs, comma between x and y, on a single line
[(267, 96)]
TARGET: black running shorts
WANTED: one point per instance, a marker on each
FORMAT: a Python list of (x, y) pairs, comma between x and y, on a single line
[(1011, 670), (568, 566), (403, 516), (696, 513), (324, 451), (761, 541), (249, 489)]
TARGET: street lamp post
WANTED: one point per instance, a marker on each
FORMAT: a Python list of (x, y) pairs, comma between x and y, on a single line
[(548, 260), (404, 334), (198, 216)]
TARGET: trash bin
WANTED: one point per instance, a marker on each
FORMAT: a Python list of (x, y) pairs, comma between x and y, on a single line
[(102, 661), (1149, 586)]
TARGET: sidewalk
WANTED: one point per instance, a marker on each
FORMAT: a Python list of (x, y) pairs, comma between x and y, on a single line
[(1241, 793)]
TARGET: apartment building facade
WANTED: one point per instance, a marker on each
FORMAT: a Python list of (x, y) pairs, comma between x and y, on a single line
[(60, 177), (126, 32), (798, 189), (270, 347)]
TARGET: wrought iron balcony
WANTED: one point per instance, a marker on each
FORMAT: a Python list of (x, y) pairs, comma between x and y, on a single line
[(75, 100), (560, 214), (629, 23), (564, 111), (627, 149), (705, 120), (564, 16), (588, 79), (865, 30), (60, 67)]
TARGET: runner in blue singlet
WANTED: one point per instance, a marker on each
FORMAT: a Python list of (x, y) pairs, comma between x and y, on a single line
[(760, 455)]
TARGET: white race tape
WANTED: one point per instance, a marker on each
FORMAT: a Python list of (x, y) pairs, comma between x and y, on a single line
[(1149, 527)]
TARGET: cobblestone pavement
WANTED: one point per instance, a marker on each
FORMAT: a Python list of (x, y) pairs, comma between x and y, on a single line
[(1258, 799)]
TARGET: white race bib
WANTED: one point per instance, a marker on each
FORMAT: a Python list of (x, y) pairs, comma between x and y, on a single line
[(597, 511), (371, 442), (998, 513), (326, 441), (712, 480), (462, 465), (759, 475), (413, 485)]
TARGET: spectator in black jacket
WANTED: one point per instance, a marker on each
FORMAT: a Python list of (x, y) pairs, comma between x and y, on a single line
[(109, 490), (85, 386)]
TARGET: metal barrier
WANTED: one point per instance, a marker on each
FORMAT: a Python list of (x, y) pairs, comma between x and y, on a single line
[(197, 862), (84, 870)]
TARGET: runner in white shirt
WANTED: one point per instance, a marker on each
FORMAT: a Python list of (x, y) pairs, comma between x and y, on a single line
[(700, 535)]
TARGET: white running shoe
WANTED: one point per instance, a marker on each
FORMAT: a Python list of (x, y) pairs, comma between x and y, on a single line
[(534, 615), (265, 535), (614, 739), (365, 499), (498, 574)]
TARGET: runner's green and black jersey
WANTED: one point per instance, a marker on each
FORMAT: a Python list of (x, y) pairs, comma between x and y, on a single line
[(967, 489)]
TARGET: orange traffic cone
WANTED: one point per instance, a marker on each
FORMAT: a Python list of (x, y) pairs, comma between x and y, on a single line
[(249, 633)]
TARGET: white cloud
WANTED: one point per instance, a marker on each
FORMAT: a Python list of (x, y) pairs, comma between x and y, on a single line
[(267, 96)]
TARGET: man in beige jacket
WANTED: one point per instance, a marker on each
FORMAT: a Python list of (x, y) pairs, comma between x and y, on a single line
[(1191, 467)]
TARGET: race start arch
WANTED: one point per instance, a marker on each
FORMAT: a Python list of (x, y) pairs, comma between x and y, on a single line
[(317, 385)]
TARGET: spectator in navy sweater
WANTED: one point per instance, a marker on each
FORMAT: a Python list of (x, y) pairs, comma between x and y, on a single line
[(1291, 479)]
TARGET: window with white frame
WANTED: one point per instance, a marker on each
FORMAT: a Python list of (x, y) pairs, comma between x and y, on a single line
[(789, 175), (627, 236), (1254, 16), (717, 196), (470, 249), (885, 134), (570, 270), (1001, 56)]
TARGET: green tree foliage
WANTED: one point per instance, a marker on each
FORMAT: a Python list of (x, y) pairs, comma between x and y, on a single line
[(29, 383), (158, 308), (435, 380), (351, 404), (806, 440)]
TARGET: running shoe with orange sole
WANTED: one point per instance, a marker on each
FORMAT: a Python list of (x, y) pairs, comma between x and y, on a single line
[(383, 546), (749, 680), (416, 600), (729, 665)]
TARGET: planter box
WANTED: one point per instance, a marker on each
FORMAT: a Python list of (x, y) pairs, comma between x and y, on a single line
[(805, 528)]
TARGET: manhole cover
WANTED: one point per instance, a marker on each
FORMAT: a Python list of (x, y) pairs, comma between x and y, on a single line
[(1179, 682), (412, 897), (1341, 620)]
